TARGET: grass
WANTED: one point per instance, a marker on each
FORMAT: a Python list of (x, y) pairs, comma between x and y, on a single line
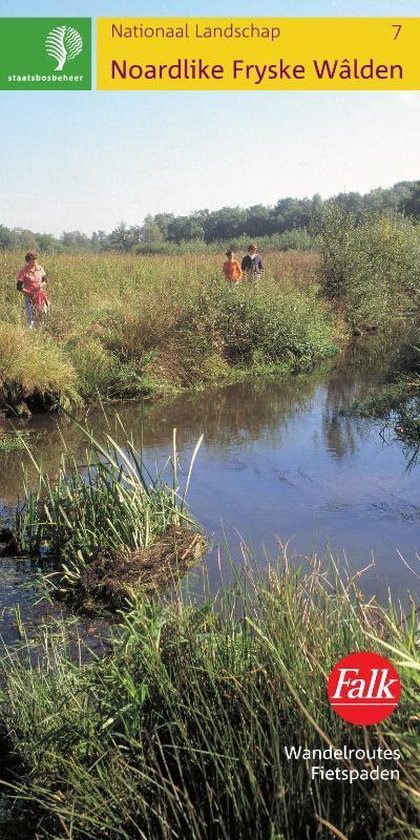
[(110, 528), (180, 732), (127, 326), (124, 326), (34, 368)]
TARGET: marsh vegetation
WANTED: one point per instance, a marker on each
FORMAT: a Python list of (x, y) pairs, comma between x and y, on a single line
[(180, 731), (124, 326)]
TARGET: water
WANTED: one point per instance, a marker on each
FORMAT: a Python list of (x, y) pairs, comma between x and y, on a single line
[(280, 462)]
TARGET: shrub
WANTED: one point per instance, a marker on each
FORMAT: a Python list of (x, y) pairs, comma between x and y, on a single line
[(371, 267), (289, 328)]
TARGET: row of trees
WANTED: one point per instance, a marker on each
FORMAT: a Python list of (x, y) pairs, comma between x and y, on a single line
[(210, 226)]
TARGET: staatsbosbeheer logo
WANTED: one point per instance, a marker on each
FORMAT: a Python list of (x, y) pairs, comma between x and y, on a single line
[(46, 53), (364, 688), (63, 43)]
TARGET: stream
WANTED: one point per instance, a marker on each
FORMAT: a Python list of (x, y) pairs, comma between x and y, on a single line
[(281, 462)]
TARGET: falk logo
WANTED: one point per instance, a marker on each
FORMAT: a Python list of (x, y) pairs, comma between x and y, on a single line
[(63, 43), (364, 688)]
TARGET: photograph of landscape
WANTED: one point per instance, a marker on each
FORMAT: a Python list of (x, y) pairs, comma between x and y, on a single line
[(209, 451)]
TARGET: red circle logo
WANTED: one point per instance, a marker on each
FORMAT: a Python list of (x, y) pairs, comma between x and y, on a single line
[(364, 688)]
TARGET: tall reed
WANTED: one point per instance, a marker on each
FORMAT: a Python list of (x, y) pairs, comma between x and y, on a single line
[(111, 504), (181, 731)]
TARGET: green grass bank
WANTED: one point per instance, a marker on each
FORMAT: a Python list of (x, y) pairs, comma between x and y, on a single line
[(180, 732), (128, 326)]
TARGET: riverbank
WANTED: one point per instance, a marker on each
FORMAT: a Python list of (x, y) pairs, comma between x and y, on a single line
[(124, 326), (186, 728)]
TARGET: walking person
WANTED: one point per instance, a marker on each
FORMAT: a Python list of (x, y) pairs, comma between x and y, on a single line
[(31, 282), (252, 264), (231, 268)]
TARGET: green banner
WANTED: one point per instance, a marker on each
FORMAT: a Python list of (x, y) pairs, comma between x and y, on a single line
[(45, 54)]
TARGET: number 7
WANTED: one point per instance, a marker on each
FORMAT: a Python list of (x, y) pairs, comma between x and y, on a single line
[(398, 27)]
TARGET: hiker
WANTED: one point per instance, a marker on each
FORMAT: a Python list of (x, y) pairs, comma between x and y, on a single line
[(31, 282), (252, 264), (232, 269)]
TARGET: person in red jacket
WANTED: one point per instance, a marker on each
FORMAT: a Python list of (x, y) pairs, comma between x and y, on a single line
[(231, 268), (31, 282)]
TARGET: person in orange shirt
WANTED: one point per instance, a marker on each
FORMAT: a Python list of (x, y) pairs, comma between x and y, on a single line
[(231, 268)]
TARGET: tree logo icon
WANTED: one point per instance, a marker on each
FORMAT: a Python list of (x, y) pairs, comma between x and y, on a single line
[(63, 43)]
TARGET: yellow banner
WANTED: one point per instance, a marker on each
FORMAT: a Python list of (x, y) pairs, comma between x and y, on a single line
[(258, 53)]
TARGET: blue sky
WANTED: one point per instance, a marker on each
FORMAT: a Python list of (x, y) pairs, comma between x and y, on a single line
[(88, 160)]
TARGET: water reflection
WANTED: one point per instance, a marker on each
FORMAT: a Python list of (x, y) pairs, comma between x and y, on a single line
[(280, 461), (236, 414)]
